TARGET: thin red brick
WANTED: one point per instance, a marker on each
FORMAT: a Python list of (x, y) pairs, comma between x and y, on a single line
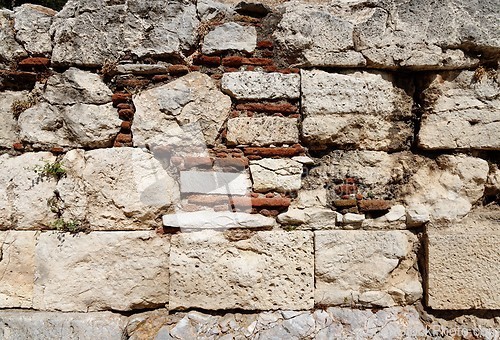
[(274, 152), (262, 202), (233, 61), (345, 203), (126, 126), (268, 107), (265, 44), (258, 61), (178, 70), (202, 162), (18, 146), (126, 114), (124, 138), (56, 150), (161, 77), (120, 97), (231, 162), (207, 60), (373, 205), (124, 106), (35, 62)]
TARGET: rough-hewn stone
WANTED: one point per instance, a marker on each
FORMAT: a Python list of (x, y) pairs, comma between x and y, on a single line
[(8, 122), (462, 112), (32, 24), (309, 218), (187, 112), (17, 324), (140, 28), (262, 131), (259, 85), (262, 270), (358, 109), (212, 182), (101, 270), (369, 268), (230, 36), (217, 220), (10, 49), (17, 265), (280, 175)]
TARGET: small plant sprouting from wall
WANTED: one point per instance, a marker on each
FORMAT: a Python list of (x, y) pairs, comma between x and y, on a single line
[(48, 169), (70, 226)]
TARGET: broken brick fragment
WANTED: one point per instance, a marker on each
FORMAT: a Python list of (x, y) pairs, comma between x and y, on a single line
[(178, 70), (34, 62), (373, 205), (345, 203), (121, 97), (294, 150), (268, 107)]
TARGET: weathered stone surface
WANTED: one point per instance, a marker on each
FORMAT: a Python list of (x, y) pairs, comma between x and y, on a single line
[(210, 9), (280, 175), (368, 268), (189, 111), (142, 69), (116, 189), (216, 220), (32, 25), (260, 85), (462, 263), (17, 324), (8, 123), (493, 181), (309, 218), (10, 49), (17, 265), (230, 36), (107, 270), (462, 112), (358, 109), (212, 182), (262, 270), (140, 28), (262, 131), (24, 192), (351, 218), (391, 34)]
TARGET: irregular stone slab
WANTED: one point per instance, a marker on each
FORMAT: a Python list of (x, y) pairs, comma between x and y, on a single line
[(107, 270), (217, 220), (262, 131), (262, 270), (116, 189), (280, 175), (309, 218), (17, 263), (212, 182), (141, 69), (355, 110), (260, 85), (462, 112), (32, 25), (24, 193), (137, 27), (8, 123), (10, 49), (189, 111), (230, 37), (17, 324), (366, 268)]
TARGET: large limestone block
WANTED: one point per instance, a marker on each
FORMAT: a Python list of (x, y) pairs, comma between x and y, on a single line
[(8, 122), (282, 175), (24, 192), (358, 109), (137, 27), (463, 111), (17, 324), (116, 189), (260, 85), (262, 270), (230, 37), (32, 25), (189, 111), (101, 270), (217, 220), (17, 265), (262, 131), (368, 268), (213, 182), (10, 49)]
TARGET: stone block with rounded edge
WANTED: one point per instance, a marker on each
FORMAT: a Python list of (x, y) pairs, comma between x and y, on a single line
[(262, 131), (260, 85), (101, 271), (282, 175), (230, 37), (242, 270)]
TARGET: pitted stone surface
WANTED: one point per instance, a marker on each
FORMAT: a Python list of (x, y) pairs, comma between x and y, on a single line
[(262, 131), (282, 175), (10, 49), (230, 36), (212, 182), (32, 25), (8, 123), (262, 270), (17, 265), (367, 268), (260, 85), (107, 270)]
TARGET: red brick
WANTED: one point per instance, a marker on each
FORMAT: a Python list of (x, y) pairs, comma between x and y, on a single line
[(161, 77), (126, 126), (124, 106), (253, 157), (374, 205), (231, 162), (126, 114), (294, 115), (271, 68), (194, 68), (289, 70), (268, 107), (346, 189), (121, 97), (267, 53), (178, 70), (269, 213), (121, 145), (262, 202), (254, 194), (345, 203), (124, 138), (274, 152), (207, 60), (258, 61), (202, 162), (231, 69), (18, 146), (350, 180), (234, 61), (269, 195), (216, 76), (250, 68), (57, 150), (265, 44), (221, 154), (36, 62)]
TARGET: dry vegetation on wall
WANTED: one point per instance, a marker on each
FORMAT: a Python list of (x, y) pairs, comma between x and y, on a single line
[(241, 170)]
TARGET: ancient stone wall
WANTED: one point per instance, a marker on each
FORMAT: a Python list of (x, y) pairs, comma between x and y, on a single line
[(310, 169)]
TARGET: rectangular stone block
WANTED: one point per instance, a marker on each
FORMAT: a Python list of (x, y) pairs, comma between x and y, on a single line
[(17, 268), (242, 270), (218, 220), (276, 175), (366, 268), (262, 131), (463, 269), (212, 182), (260, 85), (16, 325), (101, 270)]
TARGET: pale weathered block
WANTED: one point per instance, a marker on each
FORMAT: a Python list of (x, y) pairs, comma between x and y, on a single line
[(101, 270), (262, 131), (230, 37), (17, 324), (261, 270), (463, 269), (276, 174), (10, 49), (10, 100), (212, 182), (32, 25), (217, 220), (260, 85), (367, 268), (17, 268)]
